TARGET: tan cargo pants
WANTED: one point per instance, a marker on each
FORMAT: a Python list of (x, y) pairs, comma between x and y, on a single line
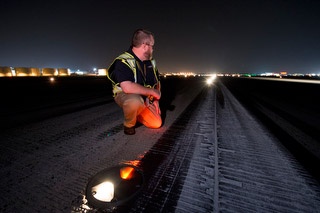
[(134, 109)]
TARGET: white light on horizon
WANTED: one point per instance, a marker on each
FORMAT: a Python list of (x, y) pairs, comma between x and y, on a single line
[(211, 79)]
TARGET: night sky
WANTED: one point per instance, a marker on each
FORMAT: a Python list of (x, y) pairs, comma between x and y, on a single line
[(198, 36)]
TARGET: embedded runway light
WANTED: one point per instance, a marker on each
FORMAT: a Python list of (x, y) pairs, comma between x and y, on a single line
[(103, 191), (52, 79), (209, 81), (113, 187), (126, 172)]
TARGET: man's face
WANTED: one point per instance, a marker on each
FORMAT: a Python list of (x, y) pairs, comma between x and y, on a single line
[(149, 48)]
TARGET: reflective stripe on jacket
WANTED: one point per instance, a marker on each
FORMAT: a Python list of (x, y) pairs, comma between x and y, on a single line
[(130, 61)]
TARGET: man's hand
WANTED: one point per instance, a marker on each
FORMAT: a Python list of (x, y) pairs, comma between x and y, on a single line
[(156, 104), (131, 87), (156, 94)]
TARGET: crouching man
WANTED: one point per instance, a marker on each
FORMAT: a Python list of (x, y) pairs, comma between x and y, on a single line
[(136, 84)]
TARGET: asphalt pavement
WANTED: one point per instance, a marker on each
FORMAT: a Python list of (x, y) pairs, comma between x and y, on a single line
[(211, 155)]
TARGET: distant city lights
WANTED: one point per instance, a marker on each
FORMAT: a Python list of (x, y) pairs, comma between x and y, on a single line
[(38, 72), (102, 72)]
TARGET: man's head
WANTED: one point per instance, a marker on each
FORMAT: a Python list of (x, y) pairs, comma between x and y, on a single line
[(142, 43)]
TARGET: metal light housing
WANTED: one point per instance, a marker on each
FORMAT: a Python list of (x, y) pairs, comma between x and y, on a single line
[(114, 186)]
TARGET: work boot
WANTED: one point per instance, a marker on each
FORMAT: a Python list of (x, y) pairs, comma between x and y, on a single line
[(129, 130)]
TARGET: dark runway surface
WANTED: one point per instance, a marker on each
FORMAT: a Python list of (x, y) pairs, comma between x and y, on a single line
[(26, 99), (290, 108), (211, 154)]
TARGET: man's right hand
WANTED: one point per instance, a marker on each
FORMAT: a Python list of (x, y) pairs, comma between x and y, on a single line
[(156, 94)]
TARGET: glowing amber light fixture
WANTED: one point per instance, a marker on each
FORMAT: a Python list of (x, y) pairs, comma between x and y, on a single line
[(113, 187), (126, 172)]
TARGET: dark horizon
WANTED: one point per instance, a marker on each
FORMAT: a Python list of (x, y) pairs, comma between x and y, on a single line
[(190, 36)]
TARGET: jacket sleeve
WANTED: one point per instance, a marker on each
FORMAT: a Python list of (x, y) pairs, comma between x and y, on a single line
[(121, 72)]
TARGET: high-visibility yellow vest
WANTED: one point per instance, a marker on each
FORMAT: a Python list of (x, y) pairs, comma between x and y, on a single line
[(130, 61)]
